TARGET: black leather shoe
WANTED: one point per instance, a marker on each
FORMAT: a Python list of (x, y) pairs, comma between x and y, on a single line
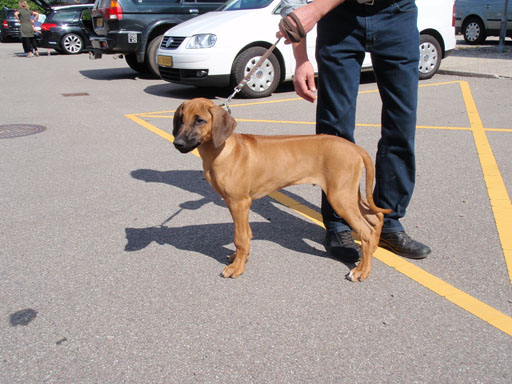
[(401, 244), (341, 245)]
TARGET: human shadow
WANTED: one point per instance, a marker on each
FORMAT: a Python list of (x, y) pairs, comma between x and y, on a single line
[(278, 226)]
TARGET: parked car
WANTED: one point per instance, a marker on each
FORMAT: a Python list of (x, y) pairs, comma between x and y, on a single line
[(135, 28), (219, 48), (10, 28), (67, 29), (477, 19)]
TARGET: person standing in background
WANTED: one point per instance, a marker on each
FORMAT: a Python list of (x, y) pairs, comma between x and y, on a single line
[(26, 17)]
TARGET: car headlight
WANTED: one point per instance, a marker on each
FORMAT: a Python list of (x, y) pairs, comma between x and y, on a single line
[(205, 40)]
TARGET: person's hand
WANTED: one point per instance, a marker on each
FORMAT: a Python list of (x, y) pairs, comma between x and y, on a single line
[(304, 81), (308, 17)]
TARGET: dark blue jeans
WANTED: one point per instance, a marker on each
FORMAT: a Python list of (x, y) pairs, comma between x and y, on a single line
[(388, 30)]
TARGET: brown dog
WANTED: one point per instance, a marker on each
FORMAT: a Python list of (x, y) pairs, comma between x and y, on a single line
[(242, 168)]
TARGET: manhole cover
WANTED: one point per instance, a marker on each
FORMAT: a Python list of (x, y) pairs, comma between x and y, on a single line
[(18, 130)]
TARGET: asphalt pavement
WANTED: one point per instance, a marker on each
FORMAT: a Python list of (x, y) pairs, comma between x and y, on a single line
[(112, 242)]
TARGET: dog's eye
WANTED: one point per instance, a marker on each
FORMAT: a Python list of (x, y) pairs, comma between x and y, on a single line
[(200, 120)]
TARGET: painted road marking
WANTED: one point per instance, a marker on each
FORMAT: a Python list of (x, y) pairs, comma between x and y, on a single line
[(498, 196)]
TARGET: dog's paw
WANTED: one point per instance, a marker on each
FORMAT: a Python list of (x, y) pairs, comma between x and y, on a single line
[(356, 275), (232, 271)]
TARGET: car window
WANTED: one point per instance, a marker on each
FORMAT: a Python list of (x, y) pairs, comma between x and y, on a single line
[(234, 5), (86, 18), (8, 14), (63, 16), (86, 15)]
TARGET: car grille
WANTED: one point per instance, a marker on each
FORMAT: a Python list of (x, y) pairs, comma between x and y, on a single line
[(169, 74), (181, 75), (173, 44)]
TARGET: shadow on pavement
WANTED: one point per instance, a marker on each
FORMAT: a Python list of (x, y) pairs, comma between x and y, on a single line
[(280, 227), (114, 74), (187, 92), (487, 50)]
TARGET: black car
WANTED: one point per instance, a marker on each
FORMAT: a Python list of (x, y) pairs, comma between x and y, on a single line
[(67, 28), (134, 28), (10, 28)]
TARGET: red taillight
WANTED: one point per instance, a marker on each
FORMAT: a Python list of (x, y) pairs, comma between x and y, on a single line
[(115, 12), (453, 17), (47, 26), (5, 24)]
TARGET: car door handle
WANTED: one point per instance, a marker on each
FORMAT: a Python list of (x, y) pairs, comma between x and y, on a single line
[(193, 10)]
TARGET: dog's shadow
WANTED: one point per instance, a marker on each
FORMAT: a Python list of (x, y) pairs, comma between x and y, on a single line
[(278, 225)]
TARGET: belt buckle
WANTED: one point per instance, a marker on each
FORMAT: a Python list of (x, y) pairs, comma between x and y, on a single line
[(366, 2)]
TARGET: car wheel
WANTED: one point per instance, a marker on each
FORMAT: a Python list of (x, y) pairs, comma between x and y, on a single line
[(266, 78), (473, 30), (430, 56), (150, 61), (72, 44), (132, 62)]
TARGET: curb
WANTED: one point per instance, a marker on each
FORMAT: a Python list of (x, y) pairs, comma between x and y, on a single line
[(454, 72)]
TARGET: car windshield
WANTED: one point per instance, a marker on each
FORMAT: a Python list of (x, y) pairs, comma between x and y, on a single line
[(236, 5)]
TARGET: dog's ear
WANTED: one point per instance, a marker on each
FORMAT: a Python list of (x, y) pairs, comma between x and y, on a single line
[(223, 125), (177, 120)]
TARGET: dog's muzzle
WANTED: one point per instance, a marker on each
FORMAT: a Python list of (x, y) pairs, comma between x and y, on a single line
[(185, 146)]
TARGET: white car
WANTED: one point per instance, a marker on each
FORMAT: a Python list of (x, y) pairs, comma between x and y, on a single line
[(219, 48)]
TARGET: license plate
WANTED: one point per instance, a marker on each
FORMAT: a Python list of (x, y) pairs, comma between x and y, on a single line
[(99, 22), (132, 38), (165, 61)]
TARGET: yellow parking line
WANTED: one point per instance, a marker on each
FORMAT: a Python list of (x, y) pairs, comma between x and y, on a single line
[(498, 195), (437, 84), (264, 102), (357, 125), (275, 121), (151, 127), (460, 298), (498, 130)]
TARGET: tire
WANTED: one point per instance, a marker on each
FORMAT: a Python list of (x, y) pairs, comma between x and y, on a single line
[(72, 44), (266, 78), (473, 30), (132, 62), (430, 56), (150, 60)]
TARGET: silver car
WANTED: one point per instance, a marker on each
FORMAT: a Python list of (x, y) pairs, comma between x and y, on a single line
[(477, 19)]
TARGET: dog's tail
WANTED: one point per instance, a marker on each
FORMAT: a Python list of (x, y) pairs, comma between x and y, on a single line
[(370, 174)]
